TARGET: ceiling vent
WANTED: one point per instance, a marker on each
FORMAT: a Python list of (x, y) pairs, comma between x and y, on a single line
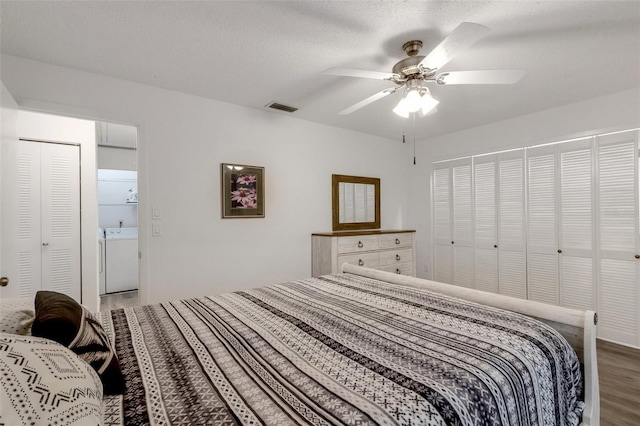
[(281, 107)]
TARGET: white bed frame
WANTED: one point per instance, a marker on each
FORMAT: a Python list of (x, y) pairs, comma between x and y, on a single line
[(578, 327)]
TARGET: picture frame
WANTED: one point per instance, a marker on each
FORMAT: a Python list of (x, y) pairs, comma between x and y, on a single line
[(242, 191)]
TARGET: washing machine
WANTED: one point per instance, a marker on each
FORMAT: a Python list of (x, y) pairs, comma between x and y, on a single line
[(101, 260), (121, 258)]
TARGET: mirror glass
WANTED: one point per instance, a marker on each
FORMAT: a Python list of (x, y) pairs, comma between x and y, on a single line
[(356, 202)]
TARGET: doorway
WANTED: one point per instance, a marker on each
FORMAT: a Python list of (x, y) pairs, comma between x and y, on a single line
[(117, 212)]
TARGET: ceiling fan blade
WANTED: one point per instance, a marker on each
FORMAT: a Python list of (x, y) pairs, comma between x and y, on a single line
[(463, 36), (480, 77), (367, 101), (349, 72)]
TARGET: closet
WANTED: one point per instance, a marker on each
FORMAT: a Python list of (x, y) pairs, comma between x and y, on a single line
[(556, 223), (48, 237)]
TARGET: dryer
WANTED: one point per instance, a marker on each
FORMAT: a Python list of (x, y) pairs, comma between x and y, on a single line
[(121, 259)]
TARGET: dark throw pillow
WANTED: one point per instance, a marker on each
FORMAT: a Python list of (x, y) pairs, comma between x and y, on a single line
[(62, 319)]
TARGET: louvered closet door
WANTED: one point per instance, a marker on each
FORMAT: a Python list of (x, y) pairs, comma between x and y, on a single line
[(442, 223), (542, 242), (576, 231), (485, 213), (511, 224), (29, 238), (48, 218), (462, 241), (619, 270), (60, 212)]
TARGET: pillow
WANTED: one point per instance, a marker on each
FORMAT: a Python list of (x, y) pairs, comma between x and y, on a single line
[(62, 319), (44, 383), (16, 315)]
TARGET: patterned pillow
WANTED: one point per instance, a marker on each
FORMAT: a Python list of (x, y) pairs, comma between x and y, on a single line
[(60, 318), (16, 315), (44, 383)]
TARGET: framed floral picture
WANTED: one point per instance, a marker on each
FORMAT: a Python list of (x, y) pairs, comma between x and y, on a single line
[(242, 191)]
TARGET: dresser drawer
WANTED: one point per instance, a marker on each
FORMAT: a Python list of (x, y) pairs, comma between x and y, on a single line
[(368, 260), (357, 243), (405, 268), (393, 257), (404, 239)]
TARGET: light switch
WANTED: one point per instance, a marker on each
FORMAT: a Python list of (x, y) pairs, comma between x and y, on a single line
[(156, 212), (156, 229)]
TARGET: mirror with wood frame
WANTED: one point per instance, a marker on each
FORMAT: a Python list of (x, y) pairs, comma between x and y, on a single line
[(356, 202)]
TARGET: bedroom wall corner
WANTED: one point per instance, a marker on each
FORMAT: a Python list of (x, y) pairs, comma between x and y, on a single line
[(613, 112), (183, 139)]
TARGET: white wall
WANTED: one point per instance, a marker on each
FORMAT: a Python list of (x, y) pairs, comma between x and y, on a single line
[(114, 189), (8, 189), (52, 128), (182, 139), (617, 111)]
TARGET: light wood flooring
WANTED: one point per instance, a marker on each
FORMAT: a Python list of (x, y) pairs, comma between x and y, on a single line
[(618, 368), (109, 302), (619, 372)]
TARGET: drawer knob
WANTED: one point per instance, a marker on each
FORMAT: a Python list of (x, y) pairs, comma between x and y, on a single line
[(360, 262), (451, 242), (559, 251), (360, 245), (397, 257), (637, 256), (398, 271), (397, 241), (495, 246)]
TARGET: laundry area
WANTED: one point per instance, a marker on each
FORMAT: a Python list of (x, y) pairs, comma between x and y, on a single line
[(117, 208)]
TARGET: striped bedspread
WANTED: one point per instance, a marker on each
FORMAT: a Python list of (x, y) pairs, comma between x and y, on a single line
[(339, 349)]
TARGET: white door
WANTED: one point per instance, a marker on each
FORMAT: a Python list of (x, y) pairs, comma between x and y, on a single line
[(486, 216), (618, 237), (576, 265), (462, 241), (48, 241), (442, 224), (512, 256), (8, 195), (542, 241)]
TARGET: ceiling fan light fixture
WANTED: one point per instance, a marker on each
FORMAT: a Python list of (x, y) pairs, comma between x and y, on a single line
[(427, 102), (401, 109), (413, 101)]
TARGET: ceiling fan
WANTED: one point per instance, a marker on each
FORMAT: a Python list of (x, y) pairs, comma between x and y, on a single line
[(415, 72)]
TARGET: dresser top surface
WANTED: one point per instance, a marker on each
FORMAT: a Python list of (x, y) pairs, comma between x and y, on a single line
[(364, 232)]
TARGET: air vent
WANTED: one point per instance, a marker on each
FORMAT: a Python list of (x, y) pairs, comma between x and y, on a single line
[(281, 107)]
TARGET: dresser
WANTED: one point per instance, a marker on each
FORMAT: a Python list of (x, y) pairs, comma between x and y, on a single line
[(391, 251)]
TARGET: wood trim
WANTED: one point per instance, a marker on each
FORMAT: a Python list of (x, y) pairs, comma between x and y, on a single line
[(356, 233), (335, 202)]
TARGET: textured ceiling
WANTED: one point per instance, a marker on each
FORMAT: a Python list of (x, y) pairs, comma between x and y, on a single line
[(252, 53)]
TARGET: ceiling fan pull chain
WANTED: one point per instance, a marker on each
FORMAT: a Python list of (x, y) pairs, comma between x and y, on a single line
[(414, 138)]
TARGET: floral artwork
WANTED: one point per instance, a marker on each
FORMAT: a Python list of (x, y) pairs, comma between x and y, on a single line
[(242, 191)]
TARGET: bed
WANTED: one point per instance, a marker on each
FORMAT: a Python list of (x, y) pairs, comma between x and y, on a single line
[(362, 347)]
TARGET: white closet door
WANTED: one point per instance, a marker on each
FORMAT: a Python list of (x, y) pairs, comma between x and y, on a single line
[(462, 224), (576, 220), (619, 270), (542, 242), (485, 213), (442, 223), (511, 224), (60, 212), (29, 238)]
